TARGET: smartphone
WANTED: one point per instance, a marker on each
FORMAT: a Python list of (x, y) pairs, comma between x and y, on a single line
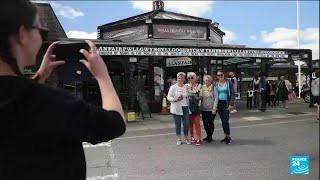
[(69, 51), (72, 70)]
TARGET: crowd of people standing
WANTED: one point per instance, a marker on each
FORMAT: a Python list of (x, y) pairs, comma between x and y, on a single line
[(262, 92)]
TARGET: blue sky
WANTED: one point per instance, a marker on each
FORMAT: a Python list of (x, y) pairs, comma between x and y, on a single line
[(251, 23)]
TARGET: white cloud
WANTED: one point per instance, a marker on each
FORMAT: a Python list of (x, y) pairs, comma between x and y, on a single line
[(81, 34), (66, 11), (63, 10), (194, 8), (253, 37), (229, 37), (287, 38)]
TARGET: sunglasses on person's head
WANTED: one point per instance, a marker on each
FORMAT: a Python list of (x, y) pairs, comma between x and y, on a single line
[(43, 32)]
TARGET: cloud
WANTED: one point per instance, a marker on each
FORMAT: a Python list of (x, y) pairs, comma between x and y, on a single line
[(229, 37), (194, 8), (66, 11), (287, 38), (81, 34), (63, 10), (253, 37)]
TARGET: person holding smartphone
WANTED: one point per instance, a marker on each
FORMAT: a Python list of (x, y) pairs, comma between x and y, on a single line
[(42, 129), (179, 107), (224, 97)]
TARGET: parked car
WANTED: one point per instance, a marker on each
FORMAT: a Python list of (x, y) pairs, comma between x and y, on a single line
[(306, 93)]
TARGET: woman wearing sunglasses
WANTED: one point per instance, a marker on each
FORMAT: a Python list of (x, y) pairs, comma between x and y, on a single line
[(224, 95), (194, 106), (42, 129)]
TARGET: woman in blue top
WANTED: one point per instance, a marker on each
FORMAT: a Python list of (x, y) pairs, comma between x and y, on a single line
[(223, 103)]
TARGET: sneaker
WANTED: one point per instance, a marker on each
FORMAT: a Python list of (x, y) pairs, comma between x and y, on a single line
[(224, 140), (193, 140), (233, 111), (198, 143), (187, 141), (205, 139), (228, 140), (209, 140), (179, 142)]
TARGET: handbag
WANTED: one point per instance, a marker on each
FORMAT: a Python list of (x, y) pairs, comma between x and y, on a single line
[(193, 105), (290, 97)]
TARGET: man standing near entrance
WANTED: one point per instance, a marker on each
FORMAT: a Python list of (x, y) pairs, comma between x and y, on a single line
[(234, 80), (263, 91), (255, 87)]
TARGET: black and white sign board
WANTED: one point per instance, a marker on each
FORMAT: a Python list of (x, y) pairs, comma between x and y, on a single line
[(238, 96), (179, 61), (168, 51)]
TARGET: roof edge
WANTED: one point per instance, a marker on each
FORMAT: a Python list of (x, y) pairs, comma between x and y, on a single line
[(203, 19), (119, 21)]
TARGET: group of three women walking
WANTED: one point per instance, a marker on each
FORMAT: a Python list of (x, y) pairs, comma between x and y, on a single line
[(190, 100)]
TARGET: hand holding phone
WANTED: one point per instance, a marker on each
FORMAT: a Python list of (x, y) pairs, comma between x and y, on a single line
[(69, 51), (82, 61), (94, 61), (179, 98)]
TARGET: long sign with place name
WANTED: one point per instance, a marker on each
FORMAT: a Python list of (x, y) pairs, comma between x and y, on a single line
[(162, 51)]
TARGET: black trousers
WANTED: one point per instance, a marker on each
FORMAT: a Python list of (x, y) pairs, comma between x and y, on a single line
[(208, 118), (271, 100), (249, 102), (263, 101)]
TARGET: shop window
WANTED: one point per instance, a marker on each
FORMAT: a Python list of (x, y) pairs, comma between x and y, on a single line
[(158, 83)]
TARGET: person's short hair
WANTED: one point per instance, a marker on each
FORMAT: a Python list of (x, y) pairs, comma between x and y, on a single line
[(192, 74), (179, 74), (206, 76), (220, 71)]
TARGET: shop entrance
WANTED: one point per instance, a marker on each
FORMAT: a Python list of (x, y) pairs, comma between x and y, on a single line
[(179, 64)]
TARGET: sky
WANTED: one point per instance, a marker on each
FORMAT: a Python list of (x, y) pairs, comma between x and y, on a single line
[(256, 24)]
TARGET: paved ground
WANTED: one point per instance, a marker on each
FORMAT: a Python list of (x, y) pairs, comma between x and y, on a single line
[(262, 146)]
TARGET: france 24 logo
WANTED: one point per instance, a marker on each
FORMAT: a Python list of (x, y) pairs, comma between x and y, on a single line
[(299, 165)]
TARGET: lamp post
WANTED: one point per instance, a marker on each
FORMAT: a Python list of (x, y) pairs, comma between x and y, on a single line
[(298, 42)]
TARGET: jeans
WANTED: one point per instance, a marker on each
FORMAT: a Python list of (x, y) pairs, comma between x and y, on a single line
[(185, 121), (256, 100), (224, 114)]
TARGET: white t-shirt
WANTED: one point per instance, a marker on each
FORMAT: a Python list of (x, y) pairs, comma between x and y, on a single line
[(181, 91)]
